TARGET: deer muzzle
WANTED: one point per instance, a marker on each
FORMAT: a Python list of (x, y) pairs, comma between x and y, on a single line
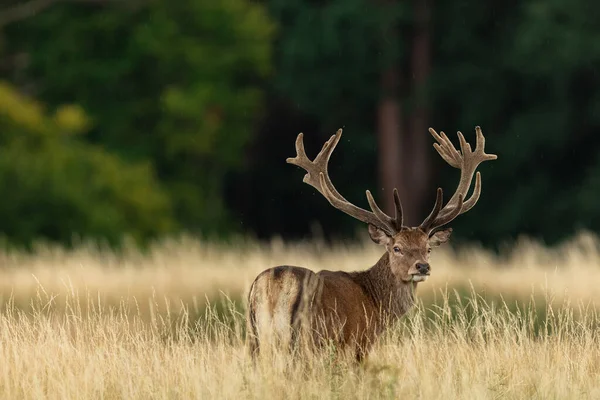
[(423, 268)]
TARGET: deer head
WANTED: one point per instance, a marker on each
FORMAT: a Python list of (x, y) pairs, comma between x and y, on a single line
[(408, 248)]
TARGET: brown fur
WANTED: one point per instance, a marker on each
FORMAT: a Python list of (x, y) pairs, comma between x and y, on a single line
[(350, 310)]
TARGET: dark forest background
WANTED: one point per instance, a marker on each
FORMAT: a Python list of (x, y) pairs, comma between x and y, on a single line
[(152, 117)]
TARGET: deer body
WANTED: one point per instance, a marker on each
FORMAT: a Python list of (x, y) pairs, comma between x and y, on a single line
[(289, 305), (349, 308), (294, 306)]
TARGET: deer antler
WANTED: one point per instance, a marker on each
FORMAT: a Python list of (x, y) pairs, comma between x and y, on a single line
[(467, 161), (317, 176)]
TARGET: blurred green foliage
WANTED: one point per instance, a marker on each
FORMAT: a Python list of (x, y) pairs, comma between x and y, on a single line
[(55, 185), (174, 84), (190, 108)]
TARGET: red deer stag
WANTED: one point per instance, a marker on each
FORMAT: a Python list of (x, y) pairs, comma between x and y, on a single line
[(351, 309)]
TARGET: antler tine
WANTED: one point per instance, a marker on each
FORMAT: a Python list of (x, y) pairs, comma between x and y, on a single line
[(468, 163), (398, 220), (467, 160), (320, 163), (328, 147), (318, 177), (446, 149), (383, 217), (450, 215), (439, 200), (357, 212), (467, 205), (470, 203)]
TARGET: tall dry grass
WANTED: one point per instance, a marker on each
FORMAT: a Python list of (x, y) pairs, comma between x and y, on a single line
[(90, 323)]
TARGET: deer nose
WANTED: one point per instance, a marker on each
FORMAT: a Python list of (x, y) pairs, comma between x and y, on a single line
[(423, 268)]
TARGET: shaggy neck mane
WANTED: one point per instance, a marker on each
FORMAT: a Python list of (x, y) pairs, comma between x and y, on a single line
[(391, 296)]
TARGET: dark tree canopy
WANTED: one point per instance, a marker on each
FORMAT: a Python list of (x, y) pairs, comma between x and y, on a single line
[(151, 118)]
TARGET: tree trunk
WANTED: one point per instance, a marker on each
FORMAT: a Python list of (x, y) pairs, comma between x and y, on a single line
[(389, 126), (418, 142)]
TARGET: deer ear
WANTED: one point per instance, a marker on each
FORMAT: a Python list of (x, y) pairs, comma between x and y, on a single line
[(440, 237), (378, 235)]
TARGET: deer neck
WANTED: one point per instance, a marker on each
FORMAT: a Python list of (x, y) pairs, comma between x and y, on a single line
[(392, 296)]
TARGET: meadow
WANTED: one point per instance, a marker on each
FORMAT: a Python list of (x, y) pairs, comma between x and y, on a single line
[(168, 323)]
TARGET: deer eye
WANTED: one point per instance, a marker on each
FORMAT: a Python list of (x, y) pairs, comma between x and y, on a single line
[(429, 250), (397, 250)]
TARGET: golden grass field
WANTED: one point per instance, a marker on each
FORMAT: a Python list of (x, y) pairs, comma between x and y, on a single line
[(168, 324)]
